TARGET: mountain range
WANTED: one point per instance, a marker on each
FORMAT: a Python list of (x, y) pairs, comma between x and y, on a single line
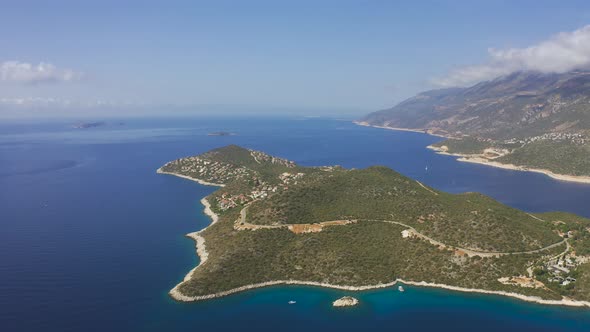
[(525, 119)]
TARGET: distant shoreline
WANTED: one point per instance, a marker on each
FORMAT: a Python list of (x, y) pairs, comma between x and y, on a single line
[(421, 131), (204, 255), (482, 161), (475, 160)]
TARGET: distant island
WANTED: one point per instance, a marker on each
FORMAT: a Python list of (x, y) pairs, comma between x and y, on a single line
[(523, 121), (220, 133), (275, 222), (85, 125)]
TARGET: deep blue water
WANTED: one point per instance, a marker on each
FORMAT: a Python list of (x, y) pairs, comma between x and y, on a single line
[(91, 238)]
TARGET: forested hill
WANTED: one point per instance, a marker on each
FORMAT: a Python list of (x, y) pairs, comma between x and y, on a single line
[(281, 221)]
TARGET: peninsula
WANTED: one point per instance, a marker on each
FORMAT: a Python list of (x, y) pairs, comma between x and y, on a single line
[(525, 121), (275, 222)]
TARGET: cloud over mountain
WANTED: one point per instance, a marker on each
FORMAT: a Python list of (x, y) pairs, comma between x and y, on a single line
[(23, 72), (561, 53)]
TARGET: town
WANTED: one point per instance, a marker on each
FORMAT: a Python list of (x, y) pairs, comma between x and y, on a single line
[(262, 189), (575, 138)]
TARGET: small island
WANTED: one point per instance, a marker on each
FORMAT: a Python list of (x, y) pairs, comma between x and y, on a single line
[(221, 133), (278, 223), (346, 301), (86, 125)]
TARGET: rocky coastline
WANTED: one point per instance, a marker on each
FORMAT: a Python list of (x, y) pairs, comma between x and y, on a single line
[(203, 255)]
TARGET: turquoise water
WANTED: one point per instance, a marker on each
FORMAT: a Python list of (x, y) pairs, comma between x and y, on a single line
[(92, 238)]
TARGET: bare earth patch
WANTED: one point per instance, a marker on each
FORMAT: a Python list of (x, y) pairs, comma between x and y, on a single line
[(522, 281)]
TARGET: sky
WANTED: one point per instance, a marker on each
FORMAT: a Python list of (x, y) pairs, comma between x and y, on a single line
[(93, 58)]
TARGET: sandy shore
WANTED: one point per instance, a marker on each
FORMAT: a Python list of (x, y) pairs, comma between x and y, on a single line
[(483, 161), (203, 182), (417, 130), (561, 177)]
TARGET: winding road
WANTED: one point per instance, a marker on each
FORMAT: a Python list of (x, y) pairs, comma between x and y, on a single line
[(241, 224)]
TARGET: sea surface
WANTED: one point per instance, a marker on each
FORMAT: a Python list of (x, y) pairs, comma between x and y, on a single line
[(92, 239)]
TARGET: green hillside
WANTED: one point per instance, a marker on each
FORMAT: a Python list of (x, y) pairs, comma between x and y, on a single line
[(280, 221)]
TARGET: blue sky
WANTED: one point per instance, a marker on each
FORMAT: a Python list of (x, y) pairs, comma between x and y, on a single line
[(313, 56)]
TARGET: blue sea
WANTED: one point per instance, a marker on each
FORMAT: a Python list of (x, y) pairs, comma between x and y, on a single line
[(92, 239)]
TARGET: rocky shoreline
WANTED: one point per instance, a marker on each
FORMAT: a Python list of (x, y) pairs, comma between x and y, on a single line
[(214, 217)]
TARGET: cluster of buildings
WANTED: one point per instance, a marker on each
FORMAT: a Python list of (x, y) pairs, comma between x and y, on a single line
[(262, 190), (228, 201), (208, 170), (261, 157), (221, 172), (560, 268), (575, 138), (561, 280), (290, 178)]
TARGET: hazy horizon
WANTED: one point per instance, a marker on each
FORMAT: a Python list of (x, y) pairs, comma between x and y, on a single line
[(71, 59)]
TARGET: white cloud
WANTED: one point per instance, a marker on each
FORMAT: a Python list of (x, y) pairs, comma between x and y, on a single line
[(561, 53), (22, 72)]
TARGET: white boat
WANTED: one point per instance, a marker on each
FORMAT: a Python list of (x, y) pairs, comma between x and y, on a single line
[(400, 288), (292, 302)]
